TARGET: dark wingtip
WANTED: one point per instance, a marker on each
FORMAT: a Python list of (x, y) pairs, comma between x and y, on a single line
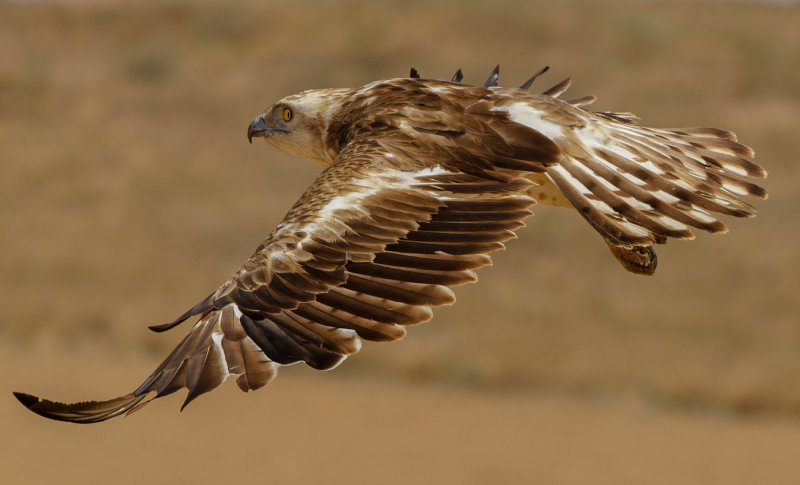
[(80, 412), (493, 77), (27, 400), (189, 398), (458, 76), (559, 88), (164, 326), (527, 84), (205, 305), (414, 73)]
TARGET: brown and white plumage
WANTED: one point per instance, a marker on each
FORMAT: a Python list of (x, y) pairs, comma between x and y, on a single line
[(423, 180)]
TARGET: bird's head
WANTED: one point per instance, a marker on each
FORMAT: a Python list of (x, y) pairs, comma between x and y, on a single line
[(299, 123)]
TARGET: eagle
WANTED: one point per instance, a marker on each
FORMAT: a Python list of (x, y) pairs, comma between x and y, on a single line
[(423, 179)]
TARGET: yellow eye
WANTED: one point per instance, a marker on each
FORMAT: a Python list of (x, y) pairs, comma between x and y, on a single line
[(287, 114)]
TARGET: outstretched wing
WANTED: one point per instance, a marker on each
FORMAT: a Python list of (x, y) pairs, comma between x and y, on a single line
[(370, 248)]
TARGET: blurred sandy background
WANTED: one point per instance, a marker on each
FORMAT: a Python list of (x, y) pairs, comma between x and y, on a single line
[(128, 192)]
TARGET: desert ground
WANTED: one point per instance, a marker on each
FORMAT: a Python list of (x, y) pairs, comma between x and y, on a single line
[(129, 192)]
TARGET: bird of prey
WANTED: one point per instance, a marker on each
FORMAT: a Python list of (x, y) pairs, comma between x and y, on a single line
[(423, 179)]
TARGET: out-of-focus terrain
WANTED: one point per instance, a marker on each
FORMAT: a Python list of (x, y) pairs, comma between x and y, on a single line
[(128, 192)]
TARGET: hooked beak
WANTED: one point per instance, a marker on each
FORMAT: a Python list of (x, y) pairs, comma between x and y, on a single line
[(258, 128)]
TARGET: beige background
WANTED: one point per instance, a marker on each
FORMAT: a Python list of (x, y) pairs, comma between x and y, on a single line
[(128, 192)]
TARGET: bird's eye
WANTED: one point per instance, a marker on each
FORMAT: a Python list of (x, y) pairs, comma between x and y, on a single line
[(287, 114)]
